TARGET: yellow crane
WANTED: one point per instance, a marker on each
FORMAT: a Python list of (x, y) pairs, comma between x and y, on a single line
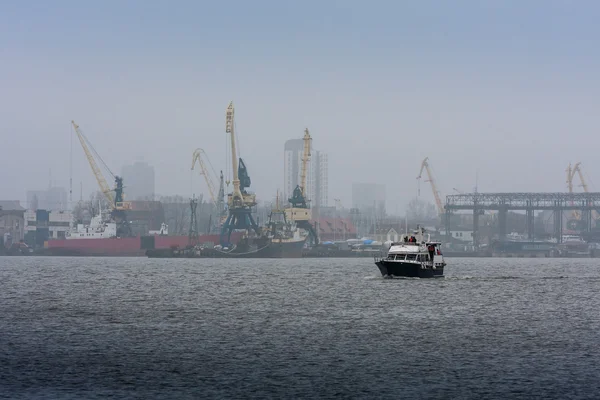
[(217, 198), (198, 157), (571, 174), (436, 194), (237, 198), (300, 210), (571, 171), (116, 202), (104, 188), (305, 157)]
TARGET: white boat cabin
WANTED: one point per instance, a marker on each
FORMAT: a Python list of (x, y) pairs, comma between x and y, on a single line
[(416, 248)]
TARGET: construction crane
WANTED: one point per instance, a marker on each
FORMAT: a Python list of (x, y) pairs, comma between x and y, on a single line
[(116, 201), (239, 201), (300, 212), (436, 194)]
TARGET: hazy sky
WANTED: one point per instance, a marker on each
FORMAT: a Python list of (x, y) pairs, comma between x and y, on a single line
[(509, 88)]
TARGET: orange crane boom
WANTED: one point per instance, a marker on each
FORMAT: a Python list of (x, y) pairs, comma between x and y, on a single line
[(431, 180)]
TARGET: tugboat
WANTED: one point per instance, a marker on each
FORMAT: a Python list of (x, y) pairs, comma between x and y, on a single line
[(413, 257)]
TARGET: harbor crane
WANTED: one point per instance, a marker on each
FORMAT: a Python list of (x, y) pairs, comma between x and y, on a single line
[(300, 211), (117, 204), (575, 222), (217, 198), (436, 193), (239, 201)]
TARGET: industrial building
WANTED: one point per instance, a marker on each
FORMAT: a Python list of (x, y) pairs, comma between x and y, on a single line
[(11, 222), (317, 179), (139, 181)]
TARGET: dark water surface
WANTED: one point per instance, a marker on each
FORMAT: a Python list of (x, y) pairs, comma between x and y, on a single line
[(322, 328)]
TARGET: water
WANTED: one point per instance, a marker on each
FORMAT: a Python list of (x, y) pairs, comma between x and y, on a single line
[(320, 328)]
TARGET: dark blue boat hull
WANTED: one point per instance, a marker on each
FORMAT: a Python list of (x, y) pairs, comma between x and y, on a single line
[(408, 270)]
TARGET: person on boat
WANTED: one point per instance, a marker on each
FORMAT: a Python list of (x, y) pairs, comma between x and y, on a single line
[(431, 250)]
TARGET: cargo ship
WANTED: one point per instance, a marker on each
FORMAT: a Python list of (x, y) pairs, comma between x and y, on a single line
[(99, 239), (279, 238)]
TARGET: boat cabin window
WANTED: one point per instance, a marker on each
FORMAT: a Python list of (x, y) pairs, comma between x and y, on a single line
[(411, 257)]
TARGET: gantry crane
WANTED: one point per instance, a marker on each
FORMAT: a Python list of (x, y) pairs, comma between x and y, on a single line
[(239, 201), (116, 201), (300, 212), (436, 194)]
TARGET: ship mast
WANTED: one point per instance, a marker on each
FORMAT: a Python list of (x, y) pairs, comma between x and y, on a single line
[(237, 198), (305, 157)]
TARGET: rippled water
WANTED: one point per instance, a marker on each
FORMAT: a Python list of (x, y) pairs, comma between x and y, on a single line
[(141, 328)]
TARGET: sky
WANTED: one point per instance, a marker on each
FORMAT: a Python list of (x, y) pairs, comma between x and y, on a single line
[(503, 90)]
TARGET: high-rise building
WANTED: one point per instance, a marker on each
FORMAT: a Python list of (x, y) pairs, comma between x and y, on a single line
[(317, 173), (138, 180), (369, 197), (54, 198)]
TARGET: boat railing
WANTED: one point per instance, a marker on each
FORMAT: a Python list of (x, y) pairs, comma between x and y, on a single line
[(439, 262)]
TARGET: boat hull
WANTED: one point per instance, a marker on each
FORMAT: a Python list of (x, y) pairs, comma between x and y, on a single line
[(284, 249), (121, 247), (408, 270)]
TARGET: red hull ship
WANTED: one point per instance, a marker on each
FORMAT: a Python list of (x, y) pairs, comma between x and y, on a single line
[(122, 247)]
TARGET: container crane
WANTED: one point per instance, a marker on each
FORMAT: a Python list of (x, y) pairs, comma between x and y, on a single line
[(300, 211), (116, 201), (436, 194), (239, 201)]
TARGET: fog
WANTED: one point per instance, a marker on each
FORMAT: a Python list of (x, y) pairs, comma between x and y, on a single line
[(506, 91)]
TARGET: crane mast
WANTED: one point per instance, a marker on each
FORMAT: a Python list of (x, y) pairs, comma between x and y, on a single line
[(95, 169), (436, 194), (237, 198), (305, 156)]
